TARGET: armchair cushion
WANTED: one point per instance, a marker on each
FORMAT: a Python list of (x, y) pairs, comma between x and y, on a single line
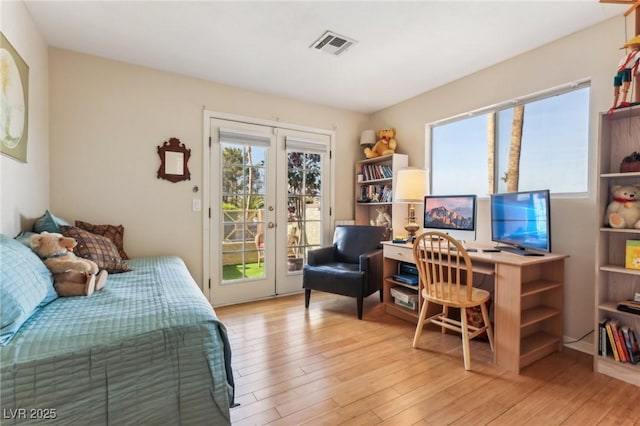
[(352, 241)]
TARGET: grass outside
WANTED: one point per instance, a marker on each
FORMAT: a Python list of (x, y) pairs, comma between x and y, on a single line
[(234, 272)]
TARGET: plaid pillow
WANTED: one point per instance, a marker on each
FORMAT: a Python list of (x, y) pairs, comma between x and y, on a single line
[(97, 248), (112, 232)]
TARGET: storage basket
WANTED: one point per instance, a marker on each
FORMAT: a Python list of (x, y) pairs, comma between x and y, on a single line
[(629, 166)]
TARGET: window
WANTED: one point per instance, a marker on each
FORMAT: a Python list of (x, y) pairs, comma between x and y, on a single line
[(552, 152)]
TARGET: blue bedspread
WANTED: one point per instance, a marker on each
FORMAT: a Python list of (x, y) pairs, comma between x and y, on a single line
[(148, 349)]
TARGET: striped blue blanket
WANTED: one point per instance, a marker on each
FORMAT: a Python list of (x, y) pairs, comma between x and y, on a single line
[(148, 349)]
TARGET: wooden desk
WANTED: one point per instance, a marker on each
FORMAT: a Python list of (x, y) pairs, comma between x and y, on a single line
[(527, 300)]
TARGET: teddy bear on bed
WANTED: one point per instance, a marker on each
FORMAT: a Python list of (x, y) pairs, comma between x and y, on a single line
[(73, 276), (624, 209), (386, 144)]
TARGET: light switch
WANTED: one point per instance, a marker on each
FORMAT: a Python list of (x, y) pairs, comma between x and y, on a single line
[(196, 204)]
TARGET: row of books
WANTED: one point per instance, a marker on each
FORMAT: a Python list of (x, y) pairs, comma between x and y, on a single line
[(619, 341), (376, 171), (375, 194)]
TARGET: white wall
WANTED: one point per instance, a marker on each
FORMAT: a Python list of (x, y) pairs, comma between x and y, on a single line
[(24, 187), (107, 120), (592, 53)]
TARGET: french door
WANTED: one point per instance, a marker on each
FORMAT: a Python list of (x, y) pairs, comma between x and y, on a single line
[(270, 204)]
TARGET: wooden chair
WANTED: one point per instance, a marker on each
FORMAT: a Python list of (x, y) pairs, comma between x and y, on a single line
[(446, 279)]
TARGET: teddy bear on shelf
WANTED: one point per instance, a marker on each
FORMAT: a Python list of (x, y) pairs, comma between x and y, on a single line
[(624, 210), (73, 276), (386, 144)]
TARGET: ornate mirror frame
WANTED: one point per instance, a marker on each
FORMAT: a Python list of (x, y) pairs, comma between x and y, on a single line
[(173, 161)]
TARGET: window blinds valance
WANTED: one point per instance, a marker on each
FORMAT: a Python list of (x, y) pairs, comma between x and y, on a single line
[(306, 145), (244, 137)]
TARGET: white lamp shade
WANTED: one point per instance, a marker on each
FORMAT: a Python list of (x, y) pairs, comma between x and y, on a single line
[(411, 185), (368, 137)]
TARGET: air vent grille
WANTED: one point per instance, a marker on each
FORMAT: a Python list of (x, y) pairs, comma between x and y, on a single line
[(333, 43)]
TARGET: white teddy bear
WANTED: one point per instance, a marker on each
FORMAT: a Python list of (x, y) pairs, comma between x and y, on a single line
[(624, 210)]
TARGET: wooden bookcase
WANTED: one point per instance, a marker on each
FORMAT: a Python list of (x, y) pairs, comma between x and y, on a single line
[(619, 137), (379, 175)]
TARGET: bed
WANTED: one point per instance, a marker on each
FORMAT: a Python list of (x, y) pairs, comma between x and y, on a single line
[(147, 349)]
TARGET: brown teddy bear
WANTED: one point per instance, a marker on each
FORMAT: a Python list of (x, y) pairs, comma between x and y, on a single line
[(386, 144), (73, 276)]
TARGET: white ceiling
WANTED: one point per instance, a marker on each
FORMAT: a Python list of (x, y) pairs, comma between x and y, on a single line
[(404, 47)]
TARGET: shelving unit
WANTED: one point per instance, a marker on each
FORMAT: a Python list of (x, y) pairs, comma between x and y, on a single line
[(619, 137), (379, 175)]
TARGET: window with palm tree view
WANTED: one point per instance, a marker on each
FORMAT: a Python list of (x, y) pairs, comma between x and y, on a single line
[(540, 144)]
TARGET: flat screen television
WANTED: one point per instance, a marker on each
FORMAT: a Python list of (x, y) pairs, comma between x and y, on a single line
[(452, 214), (522, 221)]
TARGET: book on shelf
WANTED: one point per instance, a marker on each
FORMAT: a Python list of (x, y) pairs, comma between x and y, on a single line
[(632, 254), (631, 344), (376, 171), (622, 347), (612, 341), (603, 339)]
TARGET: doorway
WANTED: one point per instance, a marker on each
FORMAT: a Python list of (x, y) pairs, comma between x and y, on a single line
[(270, 197)]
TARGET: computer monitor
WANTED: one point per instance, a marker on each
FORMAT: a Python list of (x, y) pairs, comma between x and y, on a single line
[(522, 220), (452, 214)]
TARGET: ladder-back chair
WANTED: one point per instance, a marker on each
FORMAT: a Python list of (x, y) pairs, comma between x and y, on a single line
[(446, 279)]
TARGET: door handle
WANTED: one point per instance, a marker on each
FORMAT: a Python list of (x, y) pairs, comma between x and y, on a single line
[(271, 225)]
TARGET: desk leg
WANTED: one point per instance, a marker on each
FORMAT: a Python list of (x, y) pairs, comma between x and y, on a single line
[(507, 313)]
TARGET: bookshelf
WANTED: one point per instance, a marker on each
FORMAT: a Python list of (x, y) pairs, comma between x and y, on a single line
[(619, 137), (375, 179)]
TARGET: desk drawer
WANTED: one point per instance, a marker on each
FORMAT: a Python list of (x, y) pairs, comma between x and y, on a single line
[(403, 252)]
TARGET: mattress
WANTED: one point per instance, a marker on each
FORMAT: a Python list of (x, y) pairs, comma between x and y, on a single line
[(148, 349)]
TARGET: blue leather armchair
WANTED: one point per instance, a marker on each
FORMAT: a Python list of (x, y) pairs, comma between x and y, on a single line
[(352, 266)]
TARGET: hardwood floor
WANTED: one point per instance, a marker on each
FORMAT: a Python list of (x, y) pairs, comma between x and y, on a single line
[(324, 367)]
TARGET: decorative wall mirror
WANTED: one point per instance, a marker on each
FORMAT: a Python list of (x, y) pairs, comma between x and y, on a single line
[(173, 161)]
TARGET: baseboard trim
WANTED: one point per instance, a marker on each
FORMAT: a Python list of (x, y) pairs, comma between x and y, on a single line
[(586, 347)]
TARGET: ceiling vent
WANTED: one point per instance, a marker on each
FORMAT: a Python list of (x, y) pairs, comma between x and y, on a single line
[(333, 43)]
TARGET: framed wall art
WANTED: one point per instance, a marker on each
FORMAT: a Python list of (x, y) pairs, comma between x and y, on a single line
[(174, 157), (14, 95)]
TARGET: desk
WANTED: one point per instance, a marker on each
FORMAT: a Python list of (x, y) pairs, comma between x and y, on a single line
[(527, 300)]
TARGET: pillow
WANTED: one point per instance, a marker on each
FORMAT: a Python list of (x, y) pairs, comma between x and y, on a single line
[(25, 238), (48, 222), (97, 248), (25, 285), (112, 232)]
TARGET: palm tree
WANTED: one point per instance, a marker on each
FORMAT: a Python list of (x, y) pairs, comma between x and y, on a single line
[(491, 149), (513, 173)]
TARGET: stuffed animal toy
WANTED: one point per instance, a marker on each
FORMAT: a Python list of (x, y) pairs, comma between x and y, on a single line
[(383, 218), (386, 144), (73, 276), (624, 210)]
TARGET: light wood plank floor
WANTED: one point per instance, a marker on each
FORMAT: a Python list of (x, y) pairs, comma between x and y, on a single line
[(324, 367)]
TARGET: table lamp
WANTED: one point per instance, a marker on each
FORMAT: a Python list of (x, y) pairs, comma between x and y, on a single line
[(368, 137), (411, 187)]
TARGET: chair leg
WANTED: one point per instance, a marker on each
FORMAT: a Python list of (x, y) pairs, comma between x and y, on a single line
[(421, 319), (359, 302), (465, 339), (307, 296), (487, 323), (381, 296), (445, 314)]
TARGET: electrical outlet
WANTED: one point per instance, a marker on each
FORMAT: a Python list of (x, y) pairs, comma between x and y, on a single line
[(196, 204)]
